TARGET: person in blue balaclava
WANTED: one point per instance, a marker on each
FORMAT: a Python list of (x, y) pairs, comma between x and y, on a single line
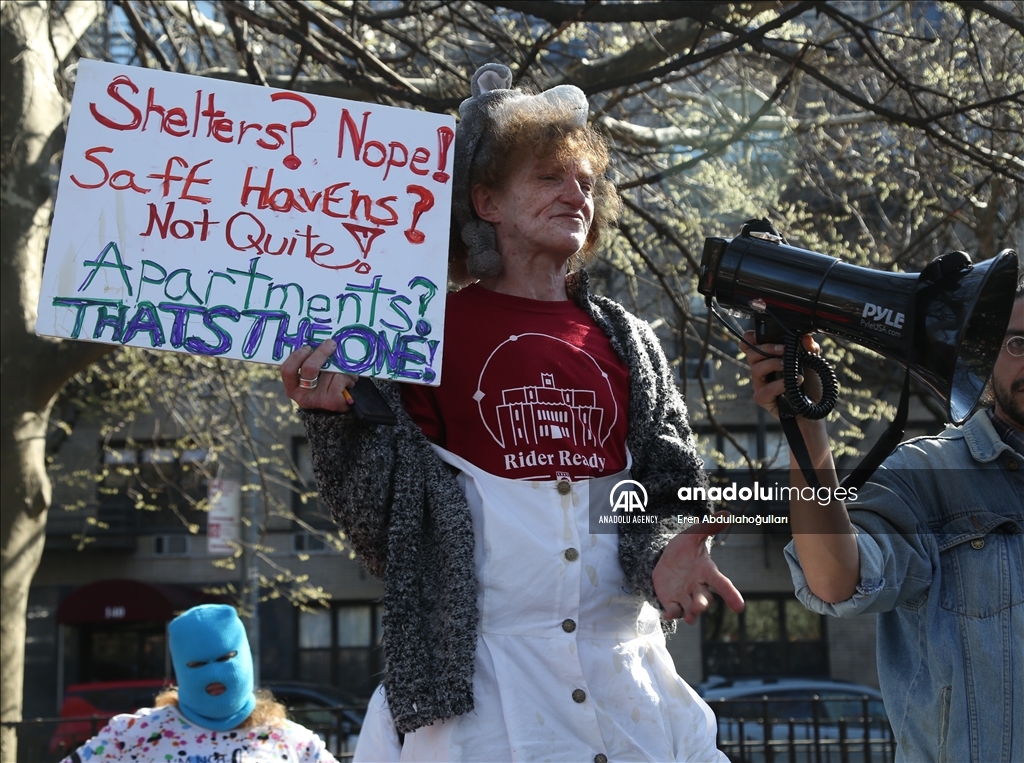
[(213, 665), (214, 714)]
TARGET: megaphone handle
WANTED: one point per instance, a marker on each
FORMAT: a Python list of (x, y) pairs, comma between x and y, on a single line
[(795, 402), (765, 332), (770, 332)]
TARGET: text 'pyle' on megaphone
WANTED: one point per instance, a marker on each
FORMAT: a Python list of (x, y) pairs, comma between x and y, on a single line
[(943, 325)]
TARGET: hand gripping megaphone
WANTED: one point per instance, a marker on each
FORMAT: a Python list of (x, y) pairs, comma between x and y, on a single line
[(944, 325)]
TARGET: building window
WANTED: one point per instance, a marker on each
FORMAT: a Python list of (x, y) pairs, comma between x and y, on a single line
[(342, 646), (308, 543), (121, 651), (172, 545), (772, 636), (153, 486)]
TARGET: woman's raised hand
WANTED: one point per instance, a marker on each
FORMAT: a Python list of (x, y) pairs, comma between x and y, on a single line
[(766, 360), (306, 384)]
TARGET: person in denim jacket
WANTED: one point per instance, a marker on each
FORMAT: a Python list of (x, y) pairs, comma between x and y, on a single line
[(935, 544)]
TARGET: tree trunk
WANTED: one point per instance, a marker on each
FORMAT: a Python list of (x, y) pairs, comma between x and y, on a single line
[(32, 368)]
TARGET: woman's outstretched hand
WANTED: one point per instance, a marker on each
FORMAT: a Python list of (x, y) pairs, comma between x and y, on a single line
[(685, 576)]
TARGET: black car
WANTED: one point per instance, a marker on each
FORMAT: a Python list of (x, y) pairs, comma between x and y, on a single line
[(334, 714)]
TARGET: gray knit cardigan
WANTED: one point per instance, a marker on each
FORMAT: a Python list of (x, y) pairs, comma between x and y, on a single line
[(405, 516)]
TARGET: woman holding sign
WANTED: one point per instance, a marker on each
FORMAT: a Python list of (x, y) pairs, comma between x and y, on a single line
[(517, 626)]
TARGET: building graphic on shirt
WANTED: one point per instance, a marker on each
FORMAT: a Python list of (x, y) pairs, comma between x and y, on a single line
[(540, 412), (535, 414)]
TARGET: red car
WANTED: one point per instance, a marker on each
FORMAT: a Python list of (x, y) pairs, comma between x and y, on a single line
[(87, 707)]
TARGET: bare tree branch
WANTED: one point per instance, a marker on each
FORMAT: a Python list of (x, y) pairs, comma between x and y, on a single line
[(644, 55), (689, 59), (1004, 17), (75, 18), (188, 12), (252, 68), (338, 34), (142, 33), (169, 35), (714, 148), (332, 88), (927, 124), (556, 12)]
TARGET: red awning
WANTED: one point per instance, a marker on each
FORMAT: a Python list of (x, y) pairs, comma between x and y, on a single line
[(129, 601)]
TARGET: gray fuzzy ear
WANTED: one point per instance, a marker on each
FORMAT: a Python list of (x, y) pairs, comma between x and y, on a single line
[(484, 260), (572, 99), (491, 84), (491, 77)]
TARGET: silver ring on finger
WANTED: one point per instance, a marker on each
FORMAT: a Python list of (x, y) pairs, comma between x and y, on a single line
[(308, 383)]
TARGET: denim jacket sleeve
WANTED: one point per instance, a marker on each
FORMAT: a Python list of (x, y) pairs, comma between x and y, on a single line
[(913, 508), (941, 536), (897, 550)]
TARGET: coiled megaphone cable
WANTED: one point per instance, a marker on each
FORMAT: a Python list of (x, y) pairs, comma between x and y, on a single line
[(795, 358), (795, 402)]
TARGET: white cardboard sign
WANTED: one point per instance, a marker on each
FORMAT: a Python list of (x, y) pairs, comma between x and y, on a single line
[(224, 521), (229, 220)]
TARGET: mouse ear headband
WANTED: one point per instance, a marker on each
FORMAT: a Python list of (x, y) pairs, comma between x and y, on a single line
[(483, 117)]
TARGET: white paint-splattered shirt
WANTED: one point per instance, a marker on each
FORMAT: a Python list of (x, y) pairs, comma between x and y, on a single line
[(164, 735)]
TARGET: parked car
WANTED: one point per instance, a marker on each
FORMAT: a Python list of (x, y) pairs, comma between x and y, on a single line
[(333, 713), (800, 719), (87, 707)]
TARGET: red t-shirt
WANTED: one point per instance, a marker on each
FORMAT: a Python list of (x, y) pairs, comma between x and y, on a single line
[(530, 389)]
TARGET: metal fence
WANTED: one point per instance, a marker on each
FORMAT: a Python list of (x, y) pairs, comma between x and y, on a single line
[(763, 731), (49, 740), (804, 730), (34, 738)]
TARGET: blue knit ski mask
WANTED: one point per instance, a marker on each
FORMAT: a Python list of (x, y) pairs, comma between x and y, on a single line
[(208, 646)]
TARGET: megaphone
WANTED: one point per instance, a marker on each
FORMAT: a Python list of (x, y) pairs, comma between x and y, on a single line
[(944, 325)]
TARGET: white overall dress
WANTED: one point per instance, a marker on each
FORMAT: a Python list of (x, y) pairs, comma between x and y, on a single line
[(569, 667)]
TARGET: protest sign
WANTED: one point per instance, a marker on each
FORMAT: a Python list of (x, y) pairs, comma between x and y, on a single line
[(229, 220)]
